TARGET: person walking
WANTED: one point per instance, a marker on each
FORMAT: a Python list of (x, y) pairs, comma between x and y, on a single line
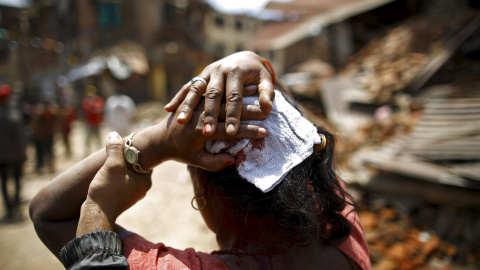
[(92, 106), (45, 124), (119, 112), (12, 143)]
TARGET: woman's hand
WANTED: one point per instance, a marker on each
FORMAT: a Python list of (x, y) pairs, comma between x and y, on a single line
[(233, 77), (112, 191), (186, 143)]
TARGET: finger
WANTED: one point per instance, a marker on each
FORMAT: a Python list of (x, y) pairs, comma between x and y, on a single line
[(234, 101), (250, 90), (191, 101), (114, 148), (178, 98), (249, 112), (213, 100), (266, 93), (244, 131), (214, 162)]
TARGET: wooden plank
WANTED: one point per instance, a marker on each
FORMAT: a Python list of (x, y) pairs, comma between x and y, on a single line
[(449, 117), (438, 61), (452, 102), (469, 110), (418, 169), (392, 184), (471, 170)]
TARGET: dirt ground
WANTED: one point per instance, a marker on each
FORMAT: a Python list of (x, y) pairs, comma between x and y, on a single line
[(164, 215)]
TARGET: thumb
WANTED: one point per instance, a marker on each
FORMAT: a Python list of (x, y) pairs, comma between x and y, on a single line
[(114, 148)]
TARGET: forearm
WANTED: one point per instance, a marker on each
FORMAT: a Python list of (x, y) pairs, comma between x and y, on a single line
[(94, 218), (55, 210)]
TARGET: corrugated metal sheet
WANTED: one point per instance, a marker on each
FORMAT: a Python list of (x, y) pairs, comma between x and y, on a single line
[(444, 146)]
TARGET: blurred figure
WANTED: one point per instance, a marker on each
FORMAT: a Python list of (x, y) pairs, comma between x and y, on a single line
[(92, 106), (12, 145), (119, 112), (44, 124), (67, 116)]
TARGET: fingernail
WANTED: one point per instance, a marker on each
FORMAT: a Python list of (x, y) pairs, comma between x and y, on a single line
[(230, 129), (181, 116), (166, 106), (229, 163), (112, 135), (207, 128), (262, 131)]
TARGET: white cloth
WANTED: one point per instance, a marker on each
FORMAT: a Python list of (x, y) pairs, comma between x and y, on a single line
[(289, 141)]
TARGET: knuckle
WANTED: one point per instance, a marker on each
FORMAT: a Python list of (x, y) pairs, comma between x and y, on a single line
[(194, 89), (213, 93), (234, 97)]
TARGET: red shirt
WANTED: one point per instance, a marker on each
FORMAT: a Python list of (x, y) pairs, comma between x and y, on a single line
[(93, 109)]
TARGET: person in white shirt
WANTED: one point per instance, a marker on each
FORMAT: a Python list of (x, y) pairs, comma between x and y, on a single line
[(119, 112)]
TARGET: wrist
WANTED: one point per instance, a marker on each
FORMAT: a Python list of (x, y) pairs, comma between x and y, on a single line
[(94, 217), (150, 145)]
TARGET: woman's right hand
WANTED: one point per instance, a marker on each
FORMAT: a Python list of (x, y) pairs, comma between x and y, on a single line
[(186, 143)]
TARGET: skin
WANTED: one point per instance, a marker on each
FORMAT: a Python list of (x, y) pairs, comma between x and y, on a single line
[(92, 187), (225, 79)]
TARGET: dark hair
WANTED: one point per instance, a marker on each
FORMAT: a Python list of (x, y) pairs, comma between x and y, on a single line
[(308, 201)]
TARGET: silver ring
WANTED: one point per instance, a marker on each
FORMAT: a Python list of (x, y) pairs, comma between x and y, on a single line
[(196, 79)]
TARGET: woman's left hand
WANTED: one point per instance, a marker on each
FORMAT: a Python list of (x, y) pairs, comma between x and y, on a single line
[(113, 190), (231, 78), (186, 143)]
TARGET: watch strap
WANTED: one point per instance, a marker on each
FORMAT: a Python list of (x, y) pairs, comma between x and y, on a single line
[(137, 168)]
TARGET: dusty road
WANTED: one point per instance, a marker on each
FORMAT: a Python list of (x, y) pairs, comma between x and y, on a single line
[(164, 215)]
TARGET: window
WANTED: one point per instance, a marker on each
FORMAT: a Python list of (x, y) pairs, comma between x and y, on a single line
[(219, 21), (238, 25), (170, 13), (109, 14)]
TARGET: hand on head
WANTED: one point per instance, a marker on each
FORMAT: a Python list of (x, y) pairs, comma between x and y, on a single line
[(231, 78), (185, 142)]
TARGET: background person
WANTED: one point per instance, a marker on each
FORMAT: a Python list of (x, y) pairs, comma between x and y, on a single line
[(92, 106), (119, 112), (12, 144), (45, 121)]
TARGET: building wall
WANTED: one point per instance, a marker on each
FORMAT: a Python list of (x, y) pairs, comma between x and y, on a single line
[(315, 47), (227, 34)]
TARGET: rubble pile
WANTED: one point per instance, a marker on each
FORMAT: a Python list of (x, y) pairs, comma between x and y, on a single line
[(427, 238), (391, 63)]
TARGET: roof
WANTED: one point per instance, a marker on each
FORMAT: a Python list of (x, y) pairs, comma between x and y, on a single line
[(307, 17)]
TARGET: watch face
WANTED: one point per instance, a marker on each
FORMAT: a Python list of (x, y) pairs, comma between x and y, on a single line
[(131, 155)]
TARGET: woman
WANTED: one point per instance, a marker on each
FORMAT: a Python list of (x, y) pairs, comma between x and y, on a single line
[(295, 221)]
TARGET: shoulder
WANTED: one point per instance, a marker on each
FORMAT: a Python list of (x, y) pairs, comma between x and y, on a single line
[(143, 254)]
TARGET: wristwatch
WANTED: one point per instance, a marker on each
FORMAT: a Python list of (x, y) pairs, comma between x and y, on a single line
[(131, 155)]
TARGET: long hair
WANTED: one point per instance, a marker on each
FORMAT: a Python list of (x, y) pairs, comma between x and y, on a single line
[(308, 202)]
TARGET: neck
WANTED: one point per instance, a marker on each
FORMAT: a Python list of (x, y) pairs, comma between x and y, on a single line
[(253, 235)]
